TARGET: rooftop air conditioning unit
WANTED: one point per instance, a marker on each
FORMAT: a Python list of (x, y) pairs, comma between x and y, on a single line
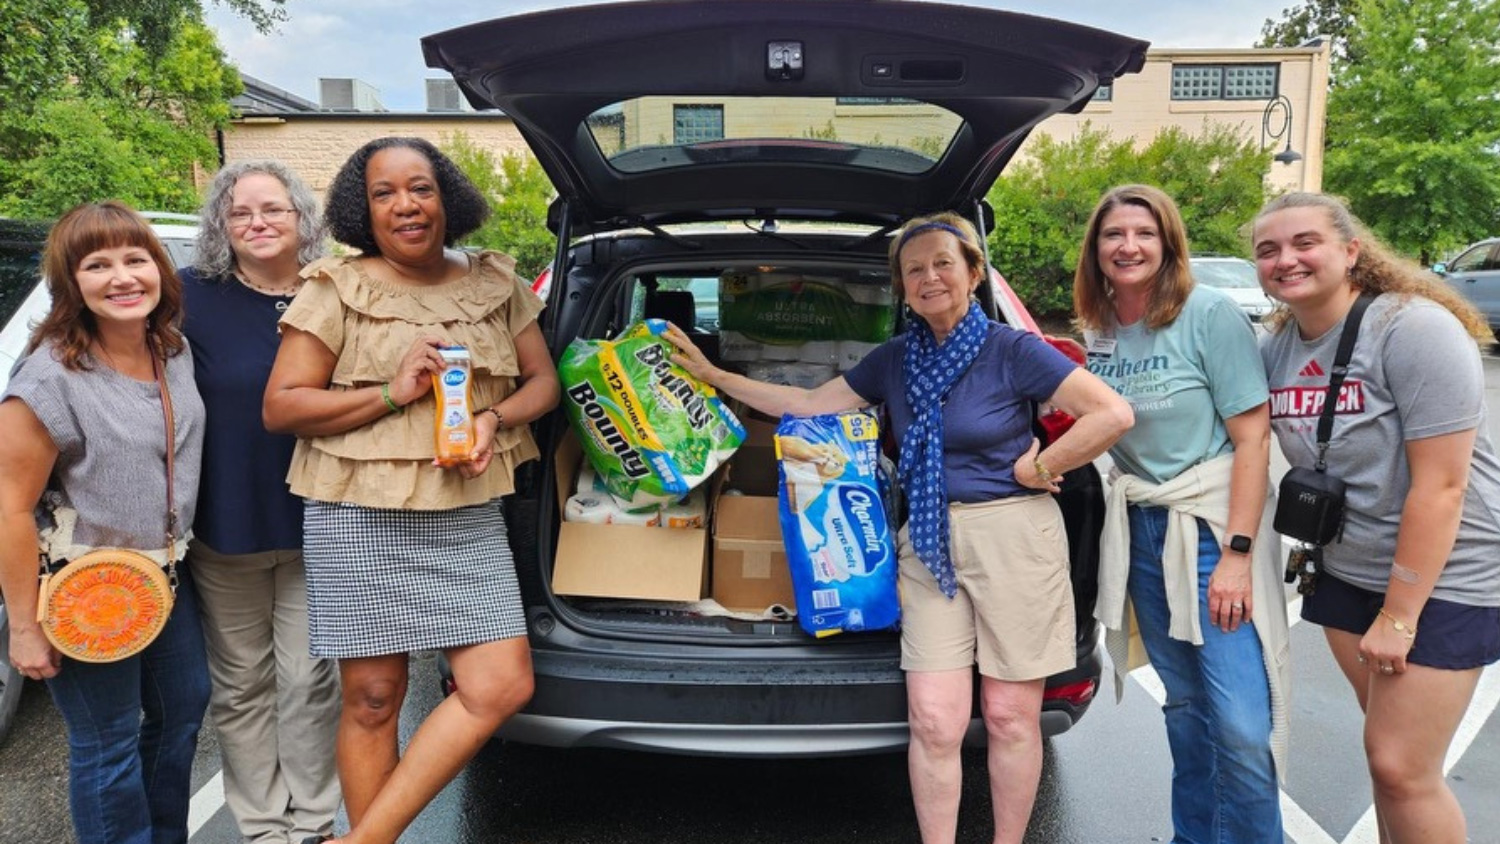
[(444, 95), (345, 94)]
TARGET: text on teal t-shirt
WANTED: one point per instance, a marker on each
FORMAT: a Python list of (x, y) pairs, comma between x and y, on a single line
[(1182, 381)]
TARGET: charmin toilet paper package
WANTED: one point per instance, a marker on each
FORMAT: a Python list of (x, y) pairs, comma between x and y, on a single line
[(650, 430), (833, 523)]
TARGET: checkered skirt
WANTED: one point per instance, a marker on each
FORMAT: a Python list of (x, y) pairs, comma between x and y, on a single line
[(395, 581)]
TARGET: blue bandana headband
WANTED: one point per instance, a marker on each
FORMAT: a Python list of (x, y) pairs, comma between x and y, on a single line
[(933, 226)]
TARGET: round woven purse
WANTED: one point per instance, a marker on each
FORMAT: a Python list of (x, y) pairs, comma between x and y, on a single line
[(105, 606), (110, 603)]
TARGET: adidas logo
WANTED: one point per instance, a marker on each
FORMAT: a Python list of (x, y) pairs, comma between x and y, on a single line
[(1312, 370)]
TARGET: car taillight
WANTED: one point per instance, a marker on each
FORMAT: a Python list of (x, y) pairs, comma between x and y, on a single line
[(1076, 694)]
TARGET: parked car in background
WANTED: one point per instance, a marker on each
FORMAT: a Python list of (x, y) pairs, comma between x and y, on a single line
[(23, 301), (20, 258), (699, 150), (1236, 277), (1475, 273)]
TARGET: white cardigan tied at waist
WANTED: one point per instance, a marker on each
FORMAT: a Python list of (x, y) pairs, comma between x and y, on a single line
[(1201, 492)]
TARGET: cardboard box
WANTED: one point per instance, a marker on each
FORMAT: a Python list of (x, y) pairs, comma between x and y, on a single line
[(750, 570), (624, 561), (752, 470)]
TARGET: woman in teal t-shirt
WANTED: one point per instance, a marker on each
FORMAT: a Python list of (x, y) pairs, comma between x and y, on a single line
[(1184, 545)]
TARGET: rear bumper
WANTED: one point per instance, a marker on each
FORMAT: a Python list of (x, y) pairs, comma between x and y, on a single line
[(753, 704), (763, 740)]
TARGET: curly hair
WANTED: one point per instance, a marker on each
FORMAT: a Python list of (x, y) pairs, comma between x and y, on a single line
[(69, 324), (1093, 304), (348, 208), (963, 230), (214, 255), (1377, 269)]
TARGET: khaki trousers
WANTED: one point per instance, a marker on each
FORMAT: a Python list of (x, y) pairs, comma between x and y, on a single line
[(275, 707)]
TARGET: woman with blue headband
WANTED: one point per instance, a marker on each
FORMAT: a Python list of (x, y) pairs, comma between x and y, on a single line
[(983, 555)]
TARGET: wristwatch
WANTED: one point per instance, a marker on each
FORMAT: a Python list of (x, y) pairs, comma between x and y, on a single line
[(1240, 543)]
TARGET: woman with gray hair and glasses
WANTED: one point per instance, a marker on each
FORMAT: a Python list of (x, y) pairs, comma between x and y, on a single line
[(275, 707)]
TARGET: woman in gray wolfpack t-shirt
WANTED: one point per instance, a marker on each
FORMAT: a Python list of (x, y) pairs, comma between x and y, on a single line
[(1409, 596)]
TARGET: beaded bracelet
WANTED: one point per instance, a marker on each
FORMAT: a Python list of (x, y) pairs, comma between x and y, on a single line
[(499, 420)]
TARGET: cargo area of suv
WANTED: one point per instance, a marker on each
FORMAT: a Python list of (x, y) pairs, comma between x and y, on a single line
[(626, 654), (697, 148)]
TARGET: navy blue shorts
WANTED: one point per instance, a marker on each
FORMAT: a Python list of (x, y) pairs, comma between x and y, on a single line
[(1452, 636)]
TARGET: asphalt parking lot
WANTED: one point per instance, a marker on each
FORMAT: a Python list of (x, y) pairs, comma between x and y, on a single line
[(1106, 781)]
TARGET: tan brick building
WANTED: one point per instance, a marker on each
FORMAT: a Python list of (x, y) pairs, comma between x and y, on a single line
[(1275, 97)]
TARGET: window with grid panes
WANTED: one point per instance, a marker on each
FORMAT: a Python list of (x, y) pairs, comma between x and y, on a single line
[(692, 124), (1224, 82), (1250, 81)]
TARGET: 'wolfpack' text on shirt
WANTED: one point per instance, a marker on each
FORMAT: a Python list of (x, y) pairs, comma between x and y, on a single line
[(1303, 402)]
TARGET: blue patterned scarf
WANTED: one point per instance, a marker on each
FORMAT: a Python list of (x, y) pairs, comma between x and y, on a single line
[(930, 371)]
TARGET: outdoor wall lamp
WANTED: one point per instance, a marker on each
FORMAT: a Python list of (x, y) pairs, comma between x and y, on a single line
[(1284, 128)]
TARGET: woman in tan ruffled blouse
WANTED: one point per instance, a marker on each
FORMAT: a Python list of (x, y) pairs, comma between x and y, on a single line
[(402, 554)]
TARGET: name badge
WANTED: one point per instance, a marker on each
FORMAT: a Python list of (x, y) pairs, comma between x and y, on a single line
[(1101, 348)]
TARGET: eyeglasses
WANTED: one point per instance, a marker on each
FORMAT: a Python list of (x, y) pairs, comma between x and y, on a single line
[(242, 217)]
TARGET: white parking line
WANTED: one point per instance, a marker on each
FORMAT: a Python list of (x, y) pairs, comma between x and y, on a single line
[(1486, 698), (206, 803)]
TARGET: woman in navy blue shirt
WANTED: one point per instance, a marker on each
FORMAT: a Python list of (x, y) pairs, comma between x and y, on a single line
[(276, 708)]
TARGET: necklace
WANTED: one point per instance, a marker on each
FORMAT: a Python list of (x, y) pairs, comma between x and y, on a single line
[(284, 292)]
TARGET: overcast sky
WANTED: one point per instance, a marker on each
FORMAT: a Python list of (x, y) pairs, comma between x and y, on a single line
[(377, 40)]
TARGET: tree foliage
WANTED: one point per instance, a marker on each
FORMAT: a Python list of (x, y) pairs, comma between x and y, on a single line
[(519, 192), (111, 98), (1414, 127), (1298, 24), (1042, 205)]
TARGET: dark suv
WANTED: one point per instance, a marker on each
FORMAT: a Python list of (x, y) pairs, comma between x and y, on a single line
[(693, 143)]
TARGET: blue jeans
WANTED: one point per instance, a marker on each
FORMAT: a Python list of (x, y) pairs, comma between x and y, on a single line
[(1218, 707), (129, 777)]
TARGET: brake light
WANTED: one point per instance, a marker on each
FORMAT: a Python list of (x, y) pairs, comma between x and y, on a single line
[(1076, 694)]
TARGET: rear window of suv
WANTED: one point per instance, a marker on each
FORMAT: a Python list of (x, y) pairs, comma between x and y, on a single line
[(878, 133)]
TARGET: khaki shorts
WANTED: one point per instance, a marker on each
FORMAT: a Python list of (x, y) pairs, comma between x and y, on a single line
[(1013, 614)]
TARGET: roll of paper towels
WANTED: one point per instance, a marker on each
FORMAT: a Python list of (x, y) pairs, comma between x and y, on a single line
[(687, 513), (819, 351), (808, 375), (589, 507), (852, 352), (736, 346), (782, 352), (585, 478), (644, 518)]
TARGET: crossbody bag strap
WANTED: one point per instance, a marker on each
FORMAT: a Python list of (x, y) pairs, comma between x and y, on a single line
[(171, 429), (1340, 370)]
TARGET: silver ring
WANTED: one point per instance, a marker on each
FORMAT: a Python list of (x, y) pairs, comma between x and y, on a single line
[(1361, 659), (1236, 606), (1387, 669)]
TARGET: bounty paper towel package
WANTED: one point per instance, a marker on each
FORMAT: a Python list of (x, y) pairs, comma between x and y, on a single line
[(833, 523), (650, 430)]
